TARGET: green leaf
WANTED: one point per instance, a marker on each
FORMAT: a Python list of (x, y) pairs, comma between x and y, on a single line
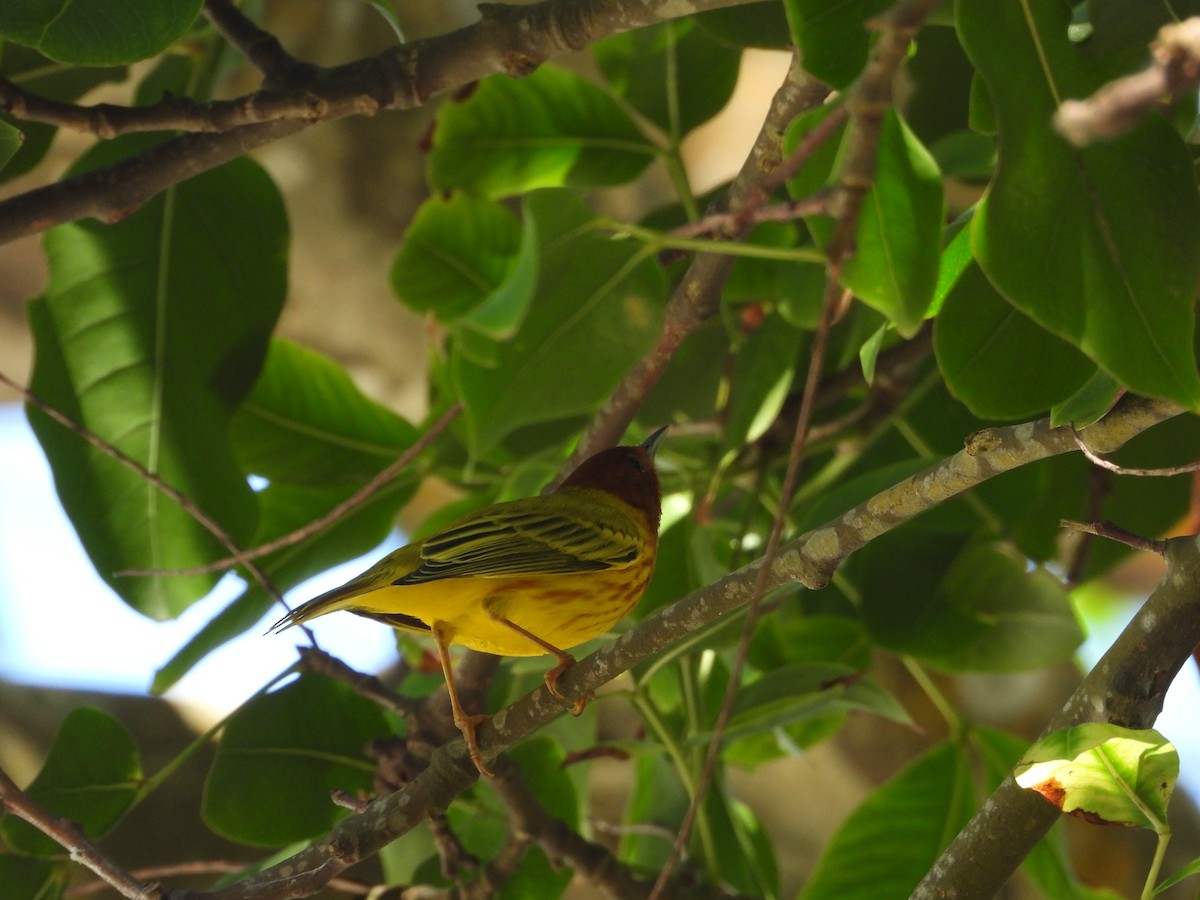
[(457, 250), (804, 691), (151, 333), (1088, 404), (280, 756), (551, 129), (674, 74), (749, 25), (1107, 262), (26, 878), (894, 268), (997, 360), (596, 310), (91, 776), (10, 142), (1104, 773), (307, 423), (832, 37), (932, 797), (1192, 868), (1025, 615), (82, 34), (763, 370)]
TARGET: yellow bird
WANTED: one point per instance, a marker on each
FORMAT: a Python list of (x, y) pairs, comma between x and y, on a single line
[(522, 578)]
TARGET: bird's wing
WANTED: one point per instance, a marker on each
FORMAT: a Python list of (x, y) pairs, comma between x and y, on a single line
[(518, 541)]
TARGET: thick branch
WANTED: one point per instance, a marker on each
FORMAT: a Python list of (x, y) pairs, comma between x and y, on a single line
[(1126, 688), (809, 560), (509, 40)]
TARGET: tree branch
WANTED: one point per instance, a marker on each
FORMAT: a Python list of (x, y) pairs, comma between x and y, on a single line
[(1125, 688), (73, 840), (809, 560), (699, 293), (512, 40), (1120, 105)]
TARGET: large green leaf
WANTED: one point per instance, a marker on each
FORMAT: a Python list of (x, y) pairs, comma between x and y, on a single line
[(152, 331), (29, 878), (596, 310), (932, 798), (88, 35), (1025, 614), (306, 423), (897, 249), (997, 360), (91, 776), (280, 756), (674, 73), (550, 129), (1107, 261), (833, 38)]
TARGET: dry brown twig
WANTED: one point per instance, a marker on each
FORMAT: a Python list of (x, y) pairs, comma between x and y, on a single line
[(1120, 105)]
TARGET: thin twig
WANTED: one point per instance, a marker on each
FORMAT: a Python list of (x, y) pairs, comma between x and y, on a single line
[(74, 841), (1103, 463), (1113, 532), (359, 497), (260, 47), (748, 214)]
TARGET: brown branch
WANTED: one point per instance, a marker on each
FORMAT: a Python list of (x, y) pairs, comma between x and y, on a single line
[(511, 40), (809, 560), (1126, 687), (868, 100), (260, 47), (74, 841), (1113, 532), (699, 293), (1120, 105)]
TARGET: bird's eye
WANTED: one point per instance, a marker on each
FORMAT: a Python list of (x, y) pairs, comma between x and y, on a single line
[(634, 462)]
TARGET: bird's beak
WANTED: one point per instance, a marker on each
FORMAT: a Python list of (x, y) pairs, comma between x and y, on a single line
[(650, 444)]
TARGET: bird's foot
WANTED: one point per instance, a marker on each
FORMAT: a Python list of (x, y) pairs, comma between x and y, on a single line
[(467, 725), (565, 662)]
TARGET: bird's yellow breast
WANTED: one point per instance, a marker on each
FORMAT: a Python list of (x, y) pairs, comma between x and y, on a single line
[(563, 610)]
